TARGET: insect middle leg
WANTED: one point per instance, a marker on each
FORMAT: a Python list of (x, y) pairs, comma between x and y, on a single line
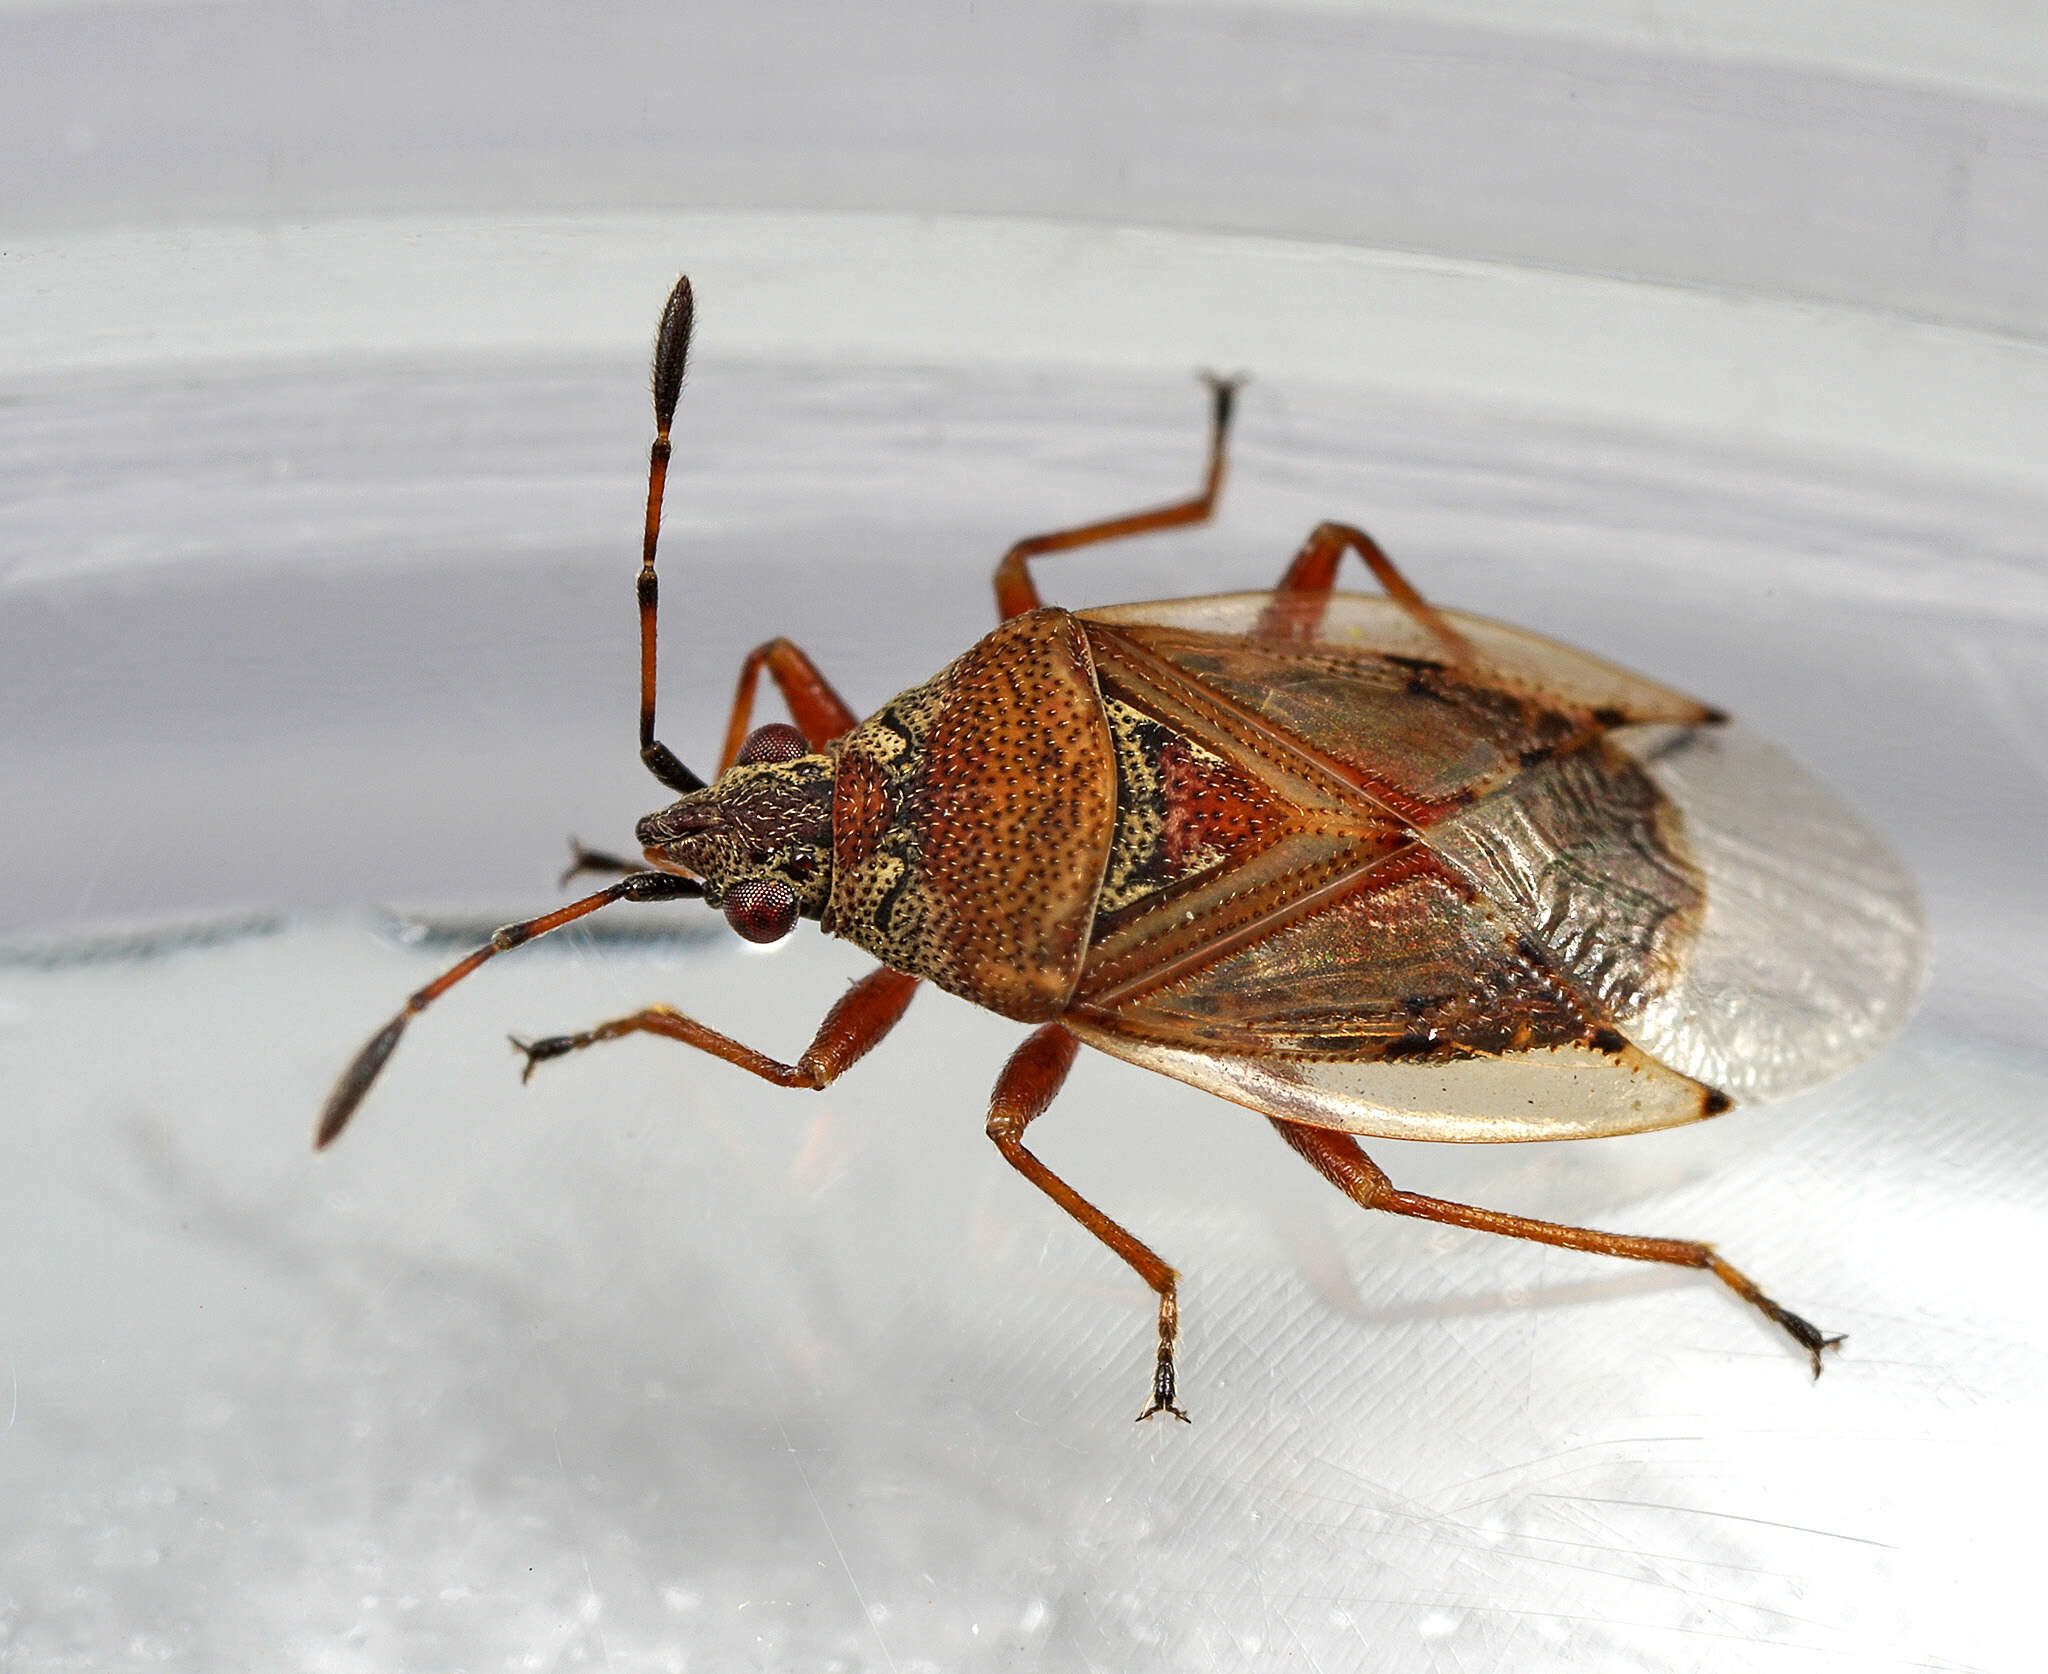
[(1016, 593), (866, 1012), (1338, 1158), (1029, 1082)]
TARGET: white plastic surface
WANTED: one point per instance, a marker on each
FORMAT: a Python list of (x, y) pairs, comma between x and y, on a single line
[(316, 542)]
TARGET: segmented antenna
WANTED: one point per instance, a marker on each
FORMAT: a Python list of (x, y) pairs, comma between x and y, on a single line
[(361, 1073), (671, 355)]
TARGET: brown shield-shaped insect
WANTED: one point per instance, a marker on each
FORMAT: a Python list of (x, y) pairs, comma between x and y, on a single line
[(1362, 865)]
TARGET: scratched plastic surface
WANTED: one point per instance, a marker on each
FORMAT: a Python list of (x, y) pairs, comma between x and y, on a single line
[(646, 1365)]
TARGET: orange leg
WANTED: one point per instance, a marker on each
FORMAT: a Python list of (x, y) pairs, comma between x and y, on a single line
[(1029, 1082), (1298, 603), (853, 1028), (1016, 593), (1339, 1160), (819, 712)]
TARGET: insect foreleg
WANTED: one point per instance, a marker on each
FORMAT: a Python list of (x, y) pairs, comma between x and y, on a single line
[(819, 712), (597, 862), (1297, 608), (1029, 1082), (854, 1027), (1339, 1159), (1016, 593)]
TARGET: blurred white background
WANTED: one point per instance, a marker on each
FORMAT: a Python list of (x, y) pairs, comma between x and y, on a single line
[(1704, 336)]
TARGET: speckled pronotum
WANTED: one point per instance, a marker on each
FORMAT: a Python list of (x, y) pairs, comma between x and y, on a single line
[(1360, 864)]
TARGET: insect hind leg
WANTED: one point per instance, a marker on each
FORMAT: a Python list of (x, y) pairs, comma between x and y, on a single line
[(1017, 593), (1296, 610), (1338, 1158)]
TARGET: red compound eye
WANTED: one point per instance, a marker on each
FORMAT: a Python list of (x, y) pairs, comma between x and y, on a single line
[(761, 909), (778, 741)]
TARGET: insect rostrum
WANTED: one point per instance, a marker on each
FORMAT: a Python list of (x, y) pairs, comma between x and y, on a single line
[(1365, 866)]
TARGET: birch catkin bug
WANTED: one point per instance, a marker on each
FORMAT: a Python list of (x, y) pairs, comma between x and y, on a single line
[(1360, 864)]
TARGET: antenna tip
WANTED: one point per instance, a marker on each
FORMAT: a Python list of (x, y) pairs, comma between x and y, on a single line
[(355, 1081), (672, 350)]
